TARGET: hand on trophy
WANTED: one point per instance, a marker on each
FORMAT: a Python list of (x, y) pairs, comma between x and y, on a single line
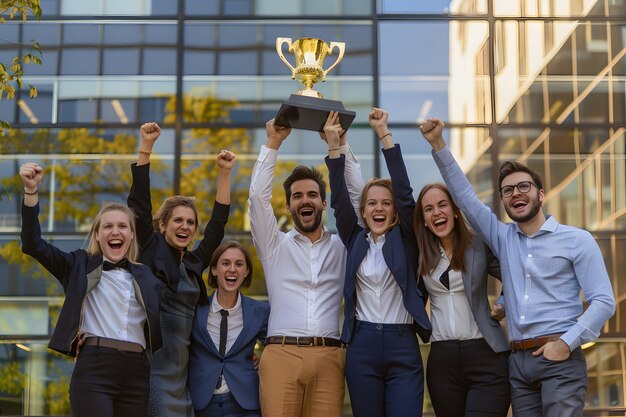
[(276, 134), (333, 123)]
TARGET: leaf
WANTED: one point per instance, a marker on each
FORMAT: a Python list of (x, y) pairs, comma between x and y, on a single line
[(33, 91)]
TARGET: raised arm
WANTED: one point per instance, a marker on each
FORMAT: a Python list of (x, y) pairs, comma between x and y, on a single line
[(139, 198), (263, 223), (346, 218), (214, 230), (479, 215), (53, 259), (402, 191)]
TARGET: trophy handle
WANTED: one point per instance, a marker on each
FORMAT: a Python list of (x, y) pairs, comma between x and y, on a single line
[(342, 48), (279, 50)]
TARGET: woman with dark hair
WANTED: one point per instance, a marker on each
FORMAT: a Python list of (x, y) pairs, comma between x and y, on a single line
[(163, 245), (383, 306), (467, 370), (111, 306), (223, 381)]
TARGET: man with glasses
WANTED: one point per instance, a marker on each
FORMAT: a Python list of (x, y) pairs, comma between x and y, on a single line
[(544, 267)]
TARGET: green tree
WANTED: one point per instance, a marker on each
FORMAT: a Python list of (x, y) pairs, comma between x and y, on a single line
[(11, 73)]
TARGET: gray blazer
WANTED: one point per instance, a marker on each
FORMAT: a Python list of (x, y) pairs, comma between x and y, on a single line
[(479, 261)]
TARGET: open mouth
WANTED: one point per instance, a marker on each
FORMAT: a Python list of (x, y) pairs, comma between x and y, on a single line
[(440, 222), (379, 220), (306, 213), (230, 280), (115, 244), (518, 205), (182, 236)]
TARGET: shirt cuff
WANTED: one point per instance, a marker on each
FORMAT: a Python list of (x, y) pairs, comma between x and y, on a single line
[(267, 155)]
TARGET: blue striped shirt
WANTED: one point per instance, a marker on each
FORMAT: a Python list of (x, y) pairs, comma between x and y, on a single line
[(542, 274)]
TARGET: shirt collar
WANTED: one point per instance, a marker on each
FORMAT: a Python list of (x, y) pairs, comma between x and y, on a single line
[(294, 233), (216, 307), (549, 226), (379, 241)]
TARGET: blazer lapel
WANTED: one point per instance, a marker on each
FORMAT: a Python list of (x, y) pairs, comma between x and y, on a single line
[(247, 310), (468, 275), (202, 315)]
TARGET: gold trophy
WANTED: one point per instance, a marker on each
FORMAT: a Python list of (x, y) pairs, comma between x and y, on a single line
[(307, 109)]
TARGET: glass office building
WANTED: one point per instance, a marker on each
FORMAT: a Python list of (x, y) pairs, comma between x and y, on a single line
[(539, 81)]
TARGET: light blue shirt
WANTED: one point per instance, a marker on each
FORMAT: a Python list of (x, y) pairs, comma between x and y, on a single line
[(542, 274)]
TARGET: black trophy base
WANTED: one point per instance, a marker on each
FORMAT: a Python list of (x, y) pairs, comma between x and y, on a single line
[(310, 113)]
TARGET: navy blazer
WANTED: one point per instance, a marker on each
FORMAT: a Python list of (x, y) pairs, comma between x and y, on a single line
[(155, 252), (479, 262), (399, 250), (79, 273), (206, 364)]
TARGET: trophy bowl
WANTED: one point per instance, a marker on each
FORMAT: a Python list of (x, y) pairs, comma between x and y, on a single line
[(307, 109)]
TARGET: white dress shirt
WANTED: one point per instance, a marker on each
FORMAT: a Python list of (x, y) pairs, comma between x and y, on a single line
[(304, 279), (450, 312), (235, 326), (378, 295), (111, 309)]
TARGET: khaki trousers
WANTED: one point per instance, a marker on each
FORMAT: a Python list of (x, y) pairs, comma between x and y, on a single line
[(299, 381)]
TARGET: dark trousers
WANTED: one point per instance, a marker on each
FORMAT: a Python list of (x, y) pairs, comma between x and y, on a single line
[(544, 388), (107, 382), (225, 405), (384, 371), (466, 378)]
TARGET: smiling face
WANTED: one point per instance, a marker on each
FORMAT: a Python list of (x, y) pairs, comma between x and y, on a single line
[(306, 206), (522, 207), (114, 235), (230, 271), (438, 213), (379, 210), (180, 227)]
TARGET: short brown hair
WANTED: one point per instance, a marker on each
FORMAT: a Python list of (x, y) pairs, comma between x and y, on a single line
[(219, 251), (94, 246), (302, 172), (509, 167), (378, 182)]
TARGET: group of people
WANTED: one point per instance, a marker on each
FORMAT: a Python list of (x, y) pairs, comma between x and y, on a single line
[(150, 340)]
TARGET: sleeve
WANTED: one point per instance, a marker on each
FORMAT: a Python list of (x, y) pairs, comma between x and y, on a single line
[(595, 283), (402, 191), (56, 261), (346, 219), (213, 233), (139, 200), (354, 179), (480, 217), (263, 225)]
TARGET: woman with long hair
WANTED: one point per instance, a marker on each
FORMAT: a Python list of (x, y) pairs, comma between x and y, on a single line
[(111, 307), (467, 370)]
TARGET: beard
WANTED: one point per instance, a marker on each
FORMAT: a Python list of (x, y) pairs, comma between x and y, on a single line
[(307, 229), (535, 206)]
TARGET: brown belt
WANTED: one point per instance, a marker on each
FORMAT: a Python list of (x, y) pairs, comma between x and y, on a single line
[(535, 342), (302, 341), (113, 343)]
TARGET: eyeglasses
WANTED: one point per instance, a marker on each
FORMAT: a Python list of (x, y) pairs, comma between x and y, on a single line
[(522, 187)]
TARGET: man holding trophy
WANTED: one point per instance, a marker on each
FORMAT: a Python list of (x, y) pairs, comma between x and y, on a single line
[(301, 371)]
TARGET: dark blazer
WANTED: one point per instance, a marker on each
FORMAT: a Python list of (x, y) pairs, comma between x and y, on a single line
[(206, 364), (399, 250), (79, 273), (155, 251), (480, 261)]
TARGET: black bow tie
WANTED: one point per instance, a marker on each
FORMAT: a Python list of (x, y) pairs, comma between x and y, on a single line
[(107, 266)]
